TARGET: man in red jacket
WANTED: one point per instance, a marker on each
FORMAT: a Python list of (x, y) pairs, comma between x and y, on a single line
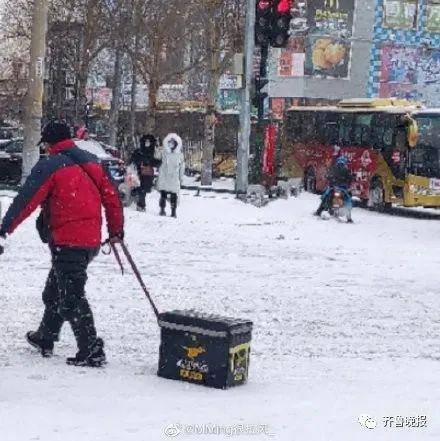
[(70, 185)]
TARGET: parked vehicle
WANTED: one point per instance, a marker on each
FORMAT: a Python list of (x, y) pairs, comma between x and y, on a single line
[(114, 165), (11, 160), (7, 133)]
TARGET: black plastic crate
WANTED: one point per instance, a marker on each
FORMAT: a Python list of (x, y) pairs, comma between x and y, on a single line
[(204, 349)]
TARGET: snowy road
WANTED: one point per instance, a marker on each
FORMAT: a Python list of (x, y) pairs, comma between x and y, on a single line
[(347, 322)]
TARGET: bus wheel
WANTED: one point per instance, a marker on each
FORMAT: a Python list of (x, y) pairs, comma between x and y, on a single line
[(376, 196), (310, 181)]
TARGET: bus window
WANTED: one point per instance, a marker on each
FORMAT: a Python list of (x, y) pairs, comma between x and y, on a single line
[(309, 127), (382, 134), (424, 159), (345, 129), (294, 125), (329, 128), (362, 130)]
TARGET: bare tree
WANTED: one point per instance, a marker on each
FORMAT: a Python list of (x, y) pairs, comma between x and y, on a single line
[(223, 39)]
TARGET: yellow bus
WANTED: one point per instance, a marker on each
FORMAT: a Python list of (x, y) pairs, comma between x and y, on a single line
[(393, 148)]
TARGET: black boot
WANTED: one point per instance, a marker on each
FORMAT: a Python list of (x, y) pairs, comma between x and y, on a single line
[(173, 212), (162, 203), (319, 211), (35, 340), (92, 357), (321, 208)]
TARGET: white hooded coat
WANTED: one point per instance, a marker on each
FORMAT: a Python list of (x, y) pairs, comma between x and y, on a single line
[(172, 169)]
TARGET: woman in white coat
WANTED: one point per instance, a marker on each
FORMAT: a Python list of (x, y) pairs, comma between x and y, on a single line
[(171, 172)]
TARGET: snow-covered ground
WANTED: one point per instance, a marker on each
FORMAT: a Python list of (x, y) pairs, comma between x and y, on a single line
[(347, 322)]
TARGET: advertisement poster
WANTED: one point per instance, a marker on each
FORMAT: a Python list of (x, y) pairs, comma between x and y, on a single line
[(400, 14), (433, 15), (429, 69), (228, 81), (292, 58), (329, 42), (399, 65), (270, 139), (229, 99), (411, 73), (277, 106)]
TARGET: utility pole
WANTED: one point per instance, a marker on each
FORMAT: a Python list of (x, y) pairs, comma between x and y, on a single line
[(33, 107), (241, 182), (115, 105)]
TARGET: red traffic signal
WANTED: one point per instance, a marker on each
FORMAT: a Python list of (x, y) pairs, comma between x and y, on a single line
[(272, 22), (264, 4), (263, 21), (284, 6), (281, 23)]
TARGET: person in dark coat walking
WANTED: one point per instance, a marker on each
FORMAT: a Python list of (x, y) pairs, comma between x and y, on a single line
[(145, 162), (71, 186)]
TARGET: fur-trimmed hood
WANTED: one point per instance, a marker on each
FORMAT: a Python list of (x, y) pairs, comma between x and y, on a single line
[(148, 137), (177, 138)]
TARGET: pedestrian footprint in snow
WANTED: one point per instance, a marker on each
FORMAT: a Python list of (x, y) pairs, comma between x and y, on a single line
[(70, 185), (171, 172), (144, 160)]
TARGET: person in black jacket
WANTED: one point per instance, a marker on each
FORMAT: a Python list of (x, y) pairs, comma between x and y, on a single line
[(338, 176), (145, 162)]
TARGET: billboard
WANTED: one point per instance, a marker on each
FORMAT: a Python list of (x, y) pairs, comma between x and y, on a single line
[(292, 58), (330, 24), (411, 73), (400, 14), (433, 15)]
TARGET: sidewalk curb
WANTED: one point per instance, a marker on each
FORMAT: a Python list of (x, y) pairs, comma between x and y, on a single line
[(198, 189)]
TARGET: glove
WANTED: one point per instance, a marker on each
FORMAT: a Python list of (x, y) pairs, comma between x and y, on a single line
[(117, 238)]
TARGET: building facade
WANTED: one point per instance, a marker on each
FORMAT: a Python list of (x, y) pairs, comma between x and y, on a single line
[(328, 54), (405, 57)]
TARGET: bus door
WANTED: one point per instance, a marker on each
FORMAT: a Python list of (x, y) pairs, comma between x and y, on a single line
[(391, 140), (363, 158)]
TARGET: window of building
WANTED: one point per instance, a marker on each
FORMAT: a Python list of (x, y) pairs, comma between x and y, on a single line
[(400, 14), (433, 15)]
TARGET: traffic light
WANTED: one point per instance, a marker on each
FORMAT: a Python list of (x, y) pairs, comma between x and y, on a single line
[(281, 22), (258, 95), (272, 22), (263, 21)]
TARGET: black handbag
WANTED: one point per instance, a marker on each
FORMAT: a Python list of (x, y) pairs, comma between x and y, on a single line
[(42, 224)]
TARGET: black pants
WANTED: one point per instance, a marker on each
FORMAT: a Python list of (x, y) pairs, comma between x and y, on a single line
[(144, 188), (163, 200), (64, 296)]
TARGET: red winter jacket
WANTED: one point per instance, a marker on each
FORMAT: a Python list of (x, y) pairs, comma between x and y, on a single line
[(72, 185)]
